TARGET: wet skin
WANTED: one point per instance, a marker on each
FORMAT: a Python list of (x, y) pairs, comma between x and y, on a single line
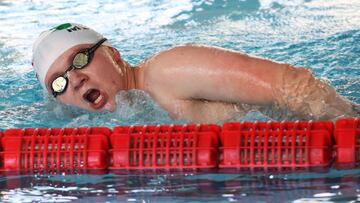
[(199, 83)]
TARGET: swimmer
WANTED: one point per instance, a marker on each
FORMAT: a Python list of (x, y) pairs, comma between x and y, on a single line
[(200, 83)]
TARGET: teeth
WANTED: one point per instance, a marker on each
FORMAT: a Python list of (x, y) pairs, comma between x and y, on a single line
[(98, 99)]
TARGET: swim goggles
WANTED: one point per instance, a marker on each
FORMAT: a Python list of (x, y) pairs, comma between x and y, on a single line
[(80, 60)]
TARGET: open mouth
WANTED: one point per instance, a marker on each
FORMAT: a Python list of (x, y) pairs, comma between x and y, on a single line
[(95, 98)]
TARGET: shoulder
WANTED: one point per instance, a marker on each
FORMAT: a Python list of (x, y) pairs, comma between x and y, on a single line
[(184, 52), (184, 49), (174, 57), (164, 72)]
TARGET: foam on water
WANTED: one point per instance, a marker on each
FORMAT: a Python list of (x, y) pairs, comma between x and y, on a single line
[(133, 107)]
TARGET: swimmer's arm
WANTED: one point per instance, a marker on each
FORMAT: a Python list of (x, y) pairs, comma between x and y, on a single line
[(201, 111), (310, 97), (206, 73), (214, 74)]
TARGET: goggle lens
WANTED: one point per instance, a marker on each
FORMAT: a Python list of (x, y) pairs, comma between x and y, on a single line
[(80, 60), (59, 84)]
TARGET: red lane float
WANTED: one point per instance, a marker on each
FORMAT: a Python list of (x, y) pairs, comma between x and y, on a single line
[(242, 145), (285, 145), (55, 148), (165, 147), (347, 137)]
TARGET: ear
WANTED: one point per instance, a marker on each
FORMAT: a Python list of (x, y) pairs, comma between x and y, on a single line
[(116, 54)]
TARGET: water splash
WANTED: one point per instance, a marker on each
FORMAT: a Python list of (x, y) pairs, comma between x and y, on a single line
[(134, 107)]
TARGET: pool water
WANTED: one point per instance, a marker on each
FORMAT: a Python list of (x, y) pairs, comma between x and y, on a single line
[(323, 35)]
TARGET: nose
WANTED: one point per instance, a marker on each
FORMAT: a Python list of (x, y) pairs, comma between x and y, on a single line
[(77, 79)]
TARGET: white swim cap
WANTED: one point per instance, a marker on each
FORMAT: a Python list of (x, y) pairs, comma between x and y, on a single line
[(54, 42)]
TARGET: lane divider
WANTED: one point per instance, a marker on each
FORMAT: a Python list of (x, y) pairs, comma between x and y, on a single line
[(285, 145), (165, 147), (347, 142), (282, 145)]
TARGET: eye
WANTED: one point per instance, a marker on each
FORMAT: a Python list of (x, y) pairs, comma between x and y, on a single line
[(80, 60), (59, 84)]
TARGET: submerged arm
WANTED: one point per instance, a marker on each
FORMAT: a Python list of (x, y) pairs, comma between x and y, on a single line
[(310, 97)]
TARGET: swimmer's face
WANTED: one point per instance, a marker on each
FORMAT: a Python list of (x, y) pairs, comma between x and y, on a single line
[(93, 87)]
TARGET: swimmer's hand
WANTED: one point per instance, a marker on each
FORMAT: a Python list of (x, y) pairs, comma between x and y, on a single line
[(356, 109), (310, 97)]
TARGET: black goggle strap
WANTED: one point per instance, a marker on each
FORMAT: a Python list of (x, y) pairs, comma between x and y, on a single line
[(97, 45)]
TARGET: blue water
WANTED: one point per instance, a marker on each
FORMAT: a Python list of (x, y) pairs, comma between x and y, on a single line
[(323, 35)]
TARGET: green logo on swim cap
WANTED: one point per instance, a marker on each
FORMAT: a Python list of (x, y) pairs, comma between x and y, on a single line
[(69, 27), (62, 26)]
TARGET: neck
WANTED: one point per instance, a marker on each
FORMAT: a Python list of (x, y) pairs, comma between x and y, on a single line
[(133, 75)]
